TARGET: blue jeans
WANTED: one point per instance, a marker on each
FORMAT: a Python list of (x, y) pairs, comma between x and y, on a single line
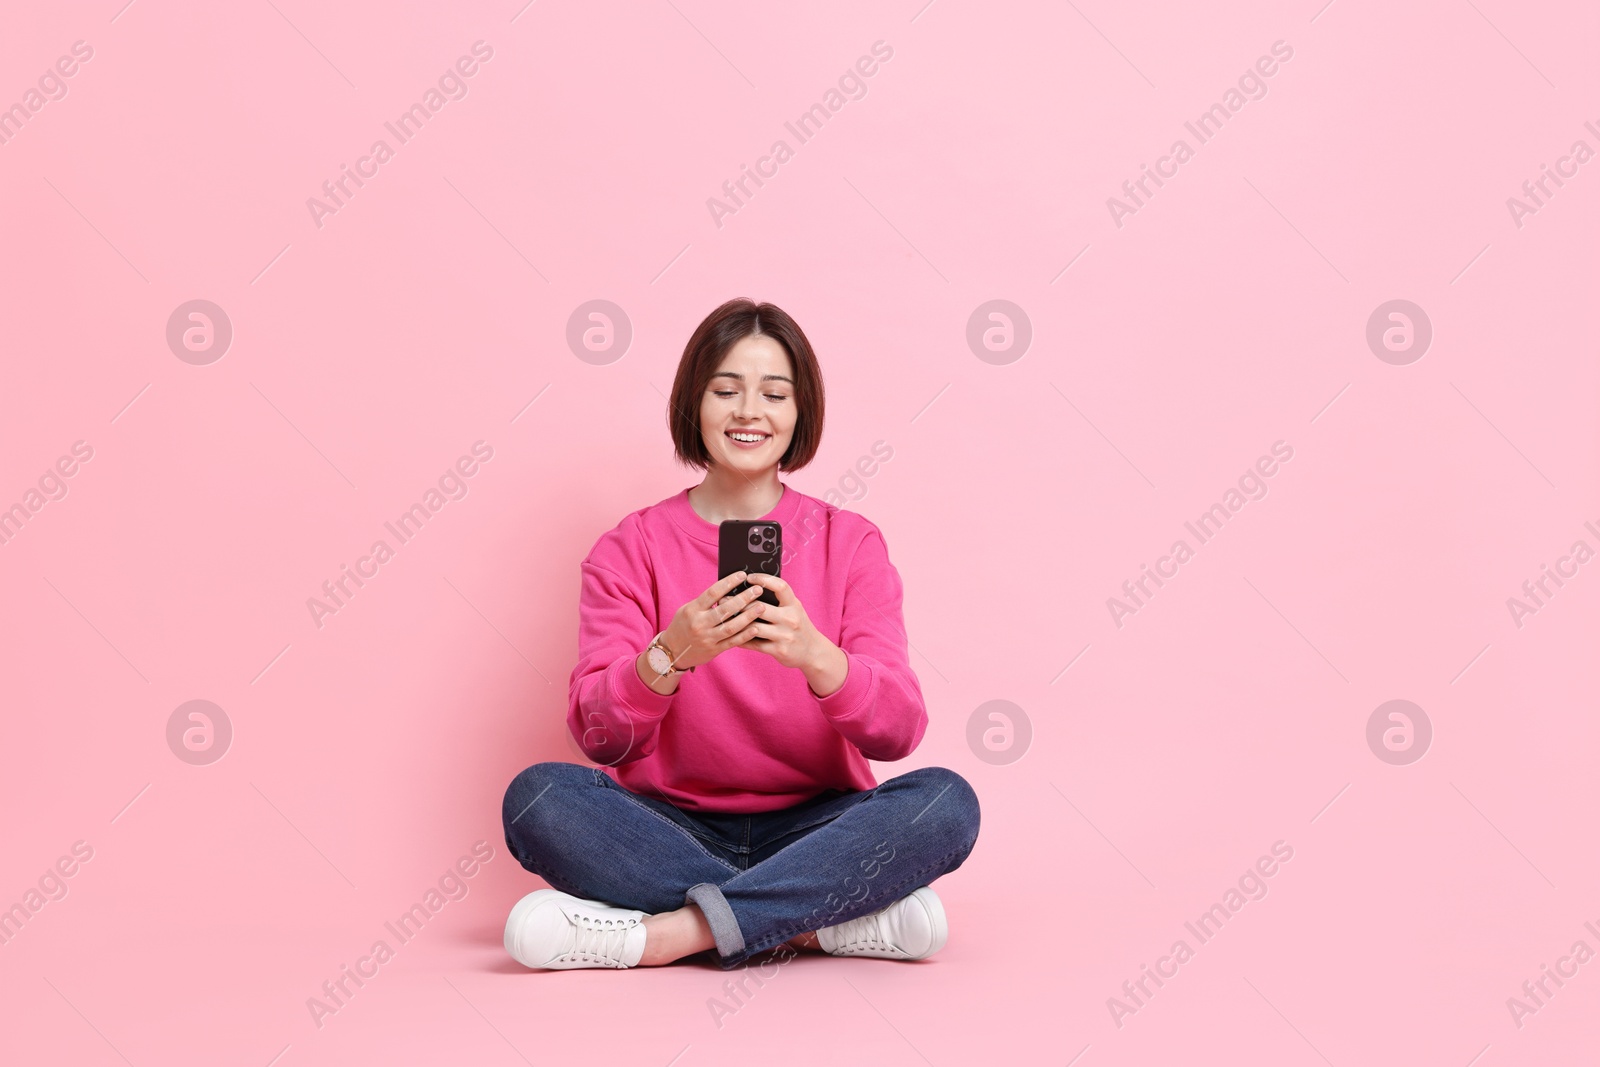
[(760, 879)]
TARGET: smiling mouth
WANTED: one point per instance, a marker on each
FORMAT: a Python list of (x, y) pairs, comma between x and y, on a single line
[(744, 438)]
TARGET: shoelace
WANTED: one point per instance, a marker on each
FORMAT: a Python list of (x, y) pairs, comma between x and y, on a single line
[(864, 932), (598, 940)]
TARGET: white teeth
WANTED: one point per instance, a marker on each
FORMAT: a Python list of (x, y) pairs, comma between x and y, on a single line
[(748, 438)]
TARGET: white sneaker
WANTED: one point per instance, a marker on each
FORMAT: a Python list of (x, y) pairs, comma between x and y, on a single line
[(556, 930), (911, 928)]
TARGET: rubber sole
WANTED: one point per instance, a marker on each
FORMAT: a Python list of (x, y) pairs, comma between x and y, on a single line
[(941, 925)]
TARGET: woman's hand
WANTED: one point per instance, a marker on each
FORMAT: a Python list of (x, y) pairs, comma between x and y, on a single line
[(786, 632), (713, 622)]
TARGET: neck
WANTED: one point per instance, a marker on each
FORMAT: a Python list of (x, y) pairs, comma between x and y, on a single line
[(731, 494)]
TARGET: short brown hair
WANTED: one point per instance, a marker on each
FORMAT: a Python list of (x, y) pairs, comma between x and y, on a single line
[(717, 333)]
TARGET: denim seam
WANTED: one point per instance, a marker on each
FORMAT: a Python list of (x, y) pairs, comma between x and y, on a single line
[(800, 831), (557, 882), (647, 808), (915, 882)]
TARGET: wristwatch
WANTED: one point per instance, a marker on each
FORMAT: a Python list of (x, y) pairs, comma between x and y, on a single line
[(660, 659)]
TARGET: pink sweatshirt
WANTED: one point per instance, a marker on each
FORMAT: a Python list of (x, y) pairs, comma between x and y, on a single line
[(743, 733)]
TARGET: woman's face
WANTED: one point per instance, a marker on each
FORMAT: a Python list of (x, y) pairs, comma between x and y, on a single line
[(751, 390)]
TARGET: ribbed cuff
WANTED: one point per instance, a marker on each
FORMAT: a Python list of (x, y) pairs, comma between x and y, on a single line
[(628, 687), (724, 927), (848, 698)]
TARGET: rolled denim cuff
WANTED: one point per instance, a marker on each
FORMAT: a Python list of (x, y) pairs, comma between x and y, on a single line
[(724, 927)]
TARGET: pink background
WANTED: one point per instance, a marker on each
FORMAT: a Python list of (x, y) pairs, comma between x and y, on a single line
[(1227, 314)]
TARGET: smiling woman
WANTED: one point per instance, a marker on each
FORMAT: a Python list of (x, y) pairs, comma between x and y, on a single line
[(734, 809), (752, 387)]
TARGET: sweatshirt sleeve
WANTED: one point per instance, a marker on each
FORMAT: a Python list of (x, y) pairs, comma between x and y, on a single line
[(880, 708), (610, 711)]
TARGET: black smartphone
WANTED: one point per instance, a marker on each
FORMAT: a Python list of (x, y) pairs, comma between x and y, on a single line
[(749, 545)]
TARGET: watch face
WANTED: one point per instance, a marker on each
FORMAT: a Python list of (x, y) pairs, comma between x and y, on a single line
[(658, 659)]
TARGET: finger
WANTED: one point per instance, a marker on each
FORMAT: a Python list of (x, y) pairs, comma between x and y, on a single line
[(741, 620), (720, 588), (735, 640), (784, 591), (725, 608), (730, 606)]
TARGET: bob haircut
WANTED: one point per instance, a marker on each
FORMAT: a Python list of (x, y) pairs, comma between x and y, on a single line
[(717, 333)]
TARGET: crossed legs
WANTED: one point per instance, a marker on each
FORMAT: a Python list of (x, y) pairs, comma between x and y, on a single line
[(597, 841)]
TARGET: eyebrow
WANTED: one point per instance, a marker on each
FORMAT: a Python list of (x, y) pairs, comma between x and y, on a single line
[(736, 376)]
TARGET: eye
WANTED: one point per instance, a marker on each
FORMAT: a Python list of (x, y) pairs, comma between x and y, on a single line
[(776, 396), (722, 392)]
